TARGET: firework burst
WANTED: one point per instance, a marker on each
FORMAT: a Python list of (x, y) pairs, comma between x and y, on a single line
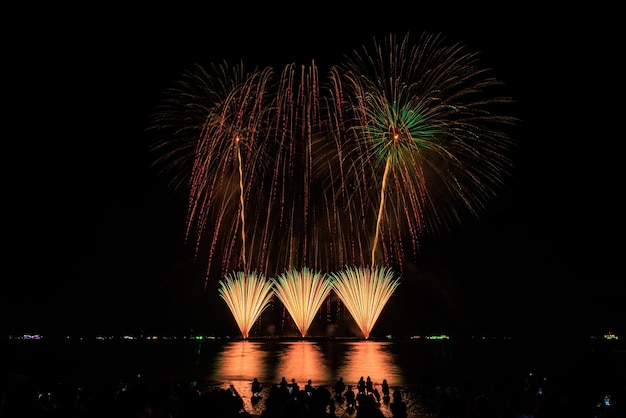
[(240, 144), (214, 125), (422, 139), (302, 293), (247, 296), (365, 292)]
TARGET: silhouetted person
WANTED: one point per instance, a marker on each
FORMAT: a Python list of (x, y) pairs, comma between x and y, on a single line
[(369, 385), (331, 409), (295, 388), (227, 402), (340, 386), (398, 407), (360, 386), (308, 388), (283, 383), (376, 394), (367, 407), (276, 398), (350, 400), (256, 387), (385, 388)]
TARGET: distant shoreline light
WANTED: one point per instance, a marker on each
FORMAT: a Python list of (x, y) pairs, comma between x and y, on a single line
[(609, 336)]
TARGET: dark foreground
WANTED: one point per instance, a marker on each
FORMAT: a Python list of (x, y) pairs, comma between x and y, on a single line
[(587, 385), (23, 397)]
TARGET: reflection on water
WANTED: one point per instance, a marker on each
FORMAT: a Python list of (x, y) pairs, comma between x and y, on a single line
[(239, 362), (424, 370), (321, 361), (301, 360), (374, 359)]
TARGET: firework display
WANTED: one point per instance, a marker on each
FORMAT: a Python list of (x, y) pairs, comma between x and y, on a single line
[(421, 137), (217, 152), (247, 296), (284, 170), (365, 292), (302, 293)]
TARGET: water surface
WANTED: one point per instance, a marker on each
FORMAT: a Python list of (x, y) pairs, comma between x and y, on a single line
[(574, 374)]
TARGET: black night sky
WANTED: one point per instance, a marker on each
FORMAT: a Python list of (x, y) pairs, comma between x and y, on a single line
[(96, 239)]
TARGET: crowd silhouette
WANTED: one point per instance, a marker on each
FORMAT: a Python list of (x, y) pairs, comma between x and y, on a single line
[(138, 398), (362, 400)]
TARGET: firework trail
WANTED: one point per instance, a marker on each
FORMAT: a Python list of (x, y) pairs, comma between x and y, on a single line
[(365, 292), (241, 144), (247, 296), (213, 124), (293, 223), (303, 293), (421, 135)]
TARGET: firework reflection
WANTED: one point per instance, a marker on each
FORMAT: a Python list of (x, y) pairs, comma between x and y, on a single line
[(240, 360), (302, 361), (371, 358)]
